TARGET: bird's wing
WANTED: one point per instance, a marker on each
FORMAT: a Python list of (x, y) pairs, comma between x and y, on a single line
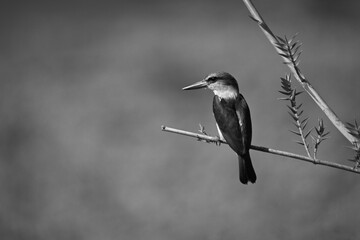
[(243, 114), (228, 121)]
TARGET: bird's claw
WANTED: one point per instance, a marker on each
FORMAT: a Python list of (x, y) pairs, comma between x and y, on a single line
[(217, 141)]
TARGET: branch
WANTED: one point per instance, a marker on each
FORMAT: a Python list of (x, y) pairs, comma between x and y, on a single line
[(262, 149), (298, 75)]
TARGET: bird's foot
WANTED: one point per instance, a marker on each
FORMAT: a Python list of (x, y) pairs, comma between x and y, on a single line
[(217, 141)]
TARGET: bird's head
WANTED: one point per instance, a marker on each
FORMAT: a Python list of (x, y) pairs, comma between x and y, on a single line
[(221, 83)]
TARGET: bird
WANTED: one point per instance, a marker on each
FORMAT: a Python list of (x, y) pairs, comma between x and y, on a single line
[(233, 120)]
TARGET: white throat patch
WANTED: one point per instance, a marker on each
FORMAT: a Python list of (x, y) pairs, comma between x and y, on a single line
[(226, 93)]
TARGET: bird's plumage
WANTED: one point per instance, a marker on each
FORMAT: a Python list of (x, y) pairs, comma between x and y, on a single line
[(233, 119), (232, 116)]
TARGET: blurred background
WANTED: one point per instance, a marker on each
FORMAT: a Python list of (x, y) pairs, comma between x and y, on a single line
[(86, 85)]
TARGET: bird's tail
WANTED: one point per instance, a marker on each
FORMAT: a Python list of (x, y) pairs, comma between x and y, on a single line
[(247, 172)]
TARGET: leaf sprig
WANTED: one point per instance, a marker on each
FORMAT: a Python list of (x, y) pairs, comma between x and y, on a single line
[(290, 50), (321, 136), (296, 112)]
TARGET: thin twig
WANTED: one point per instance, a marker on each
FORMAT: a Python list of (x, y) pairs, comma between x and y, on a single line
[(298, 75), (303, 136), (208, 138)]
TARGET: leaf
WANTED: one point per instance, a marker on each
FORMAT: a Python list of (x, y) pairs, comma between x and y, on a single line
[(294, 45), (352, 132), (324, 135), (281, 39), (304, 126), (354, 129), (355, 134), (321, 131), (285, 55), (286, 82), (353, 148), (305, 120), (322, 139), (293, 38), (285, 93), (282, 48), (301, 112), (296, 133), (284, 98), (297, 48), (293, 116), (296, 57), (295, 124), (287, 89), (306, 135), (292, 109), (287, 41), (254, 19), (279, 44), (301, 143)]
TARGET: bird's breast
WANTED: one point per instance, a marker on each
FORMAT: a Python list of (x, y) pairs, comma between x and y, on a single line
[(225, 114)]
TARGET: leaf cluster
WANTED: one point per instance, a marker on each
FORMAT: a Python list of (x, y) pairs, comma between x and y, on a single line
[(321, 136), (290, 50), (295, 112)]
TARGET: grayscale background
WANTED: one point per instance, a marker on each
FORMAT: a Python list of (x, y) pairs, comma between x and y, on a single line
[(86, 85)]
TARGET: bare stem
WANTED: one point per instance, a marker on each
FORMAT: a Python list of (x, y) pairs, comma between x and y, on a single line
[(303, 138), (208, 138), (298, 75)]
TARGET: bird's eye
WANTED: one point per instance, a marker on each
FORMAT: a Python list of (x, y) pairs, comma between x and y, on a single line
[(211, 79)]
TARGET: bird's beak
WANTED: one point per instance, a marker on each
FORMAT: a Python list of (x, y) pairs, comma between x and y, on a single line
[(197, 85)]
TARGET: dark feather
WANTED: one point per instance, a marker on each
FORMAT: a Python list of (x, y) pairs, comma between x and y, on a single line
[(234, 121)]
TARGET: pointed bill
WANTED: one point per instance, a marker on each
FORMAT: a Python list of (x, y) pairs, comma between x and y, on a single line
[(197, 85)]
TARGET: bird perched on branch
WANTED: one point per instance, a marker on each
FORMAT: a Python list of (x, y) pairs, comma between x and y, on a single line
[(232, 117)]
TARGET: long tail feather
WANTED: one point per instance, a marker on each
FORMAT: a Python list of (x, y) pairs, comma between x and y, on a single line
[(246, 169)]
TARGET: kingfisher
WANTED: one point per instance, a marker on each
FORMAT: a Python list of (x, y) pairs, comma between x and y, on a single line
[(232, 117)]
